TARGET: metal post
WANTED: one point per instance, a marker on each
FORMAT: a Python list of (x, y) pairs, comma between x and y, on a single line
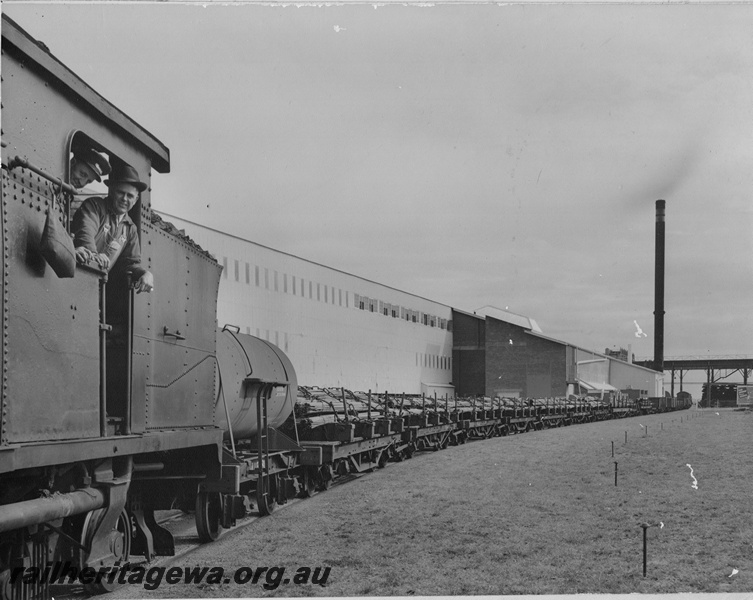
[(612, 449), (615, 473), (626, 437), (645, 553), (369, 400), (345, 405)]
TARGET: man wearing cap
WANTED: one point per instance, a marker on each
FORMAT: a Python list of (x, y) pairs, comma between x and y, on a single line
[(88, 165), (104, 233)]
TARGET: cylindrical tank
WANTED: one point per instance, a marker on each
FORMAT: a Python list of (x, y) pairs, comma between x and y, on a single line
[(241, 358)]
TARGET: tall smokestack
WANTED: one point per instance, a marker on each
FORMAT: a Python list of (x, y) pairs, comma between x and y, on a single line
[(659, 289)]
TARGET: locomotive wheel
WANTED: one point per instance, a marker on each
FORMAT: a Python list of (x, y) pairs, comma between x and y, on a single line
[(266, 494), (208, 516), (119, 542)]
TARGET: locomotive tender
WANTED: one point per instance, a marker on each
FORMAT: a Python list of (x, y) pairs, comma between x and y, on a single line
[(115, 405)]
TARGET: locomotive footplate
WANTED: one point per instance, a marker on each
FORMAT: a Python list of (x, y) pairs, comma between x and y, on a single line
[(38, 454)]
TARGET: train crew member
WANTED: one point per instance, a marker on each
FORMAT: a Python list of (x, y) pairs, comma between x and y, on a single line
[(104, 232), (88, 165)]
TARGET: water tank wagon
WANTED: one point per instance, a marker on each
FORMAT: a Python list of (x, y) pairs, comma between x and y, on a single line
[(242, 358)]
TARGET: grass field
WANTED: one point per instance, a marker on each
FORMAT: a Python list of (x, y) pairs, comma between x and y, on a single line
[(531, 514)]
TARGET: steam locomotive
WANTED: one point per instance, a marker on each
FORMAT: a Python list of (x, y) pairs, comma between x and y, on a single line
[(116, 405)]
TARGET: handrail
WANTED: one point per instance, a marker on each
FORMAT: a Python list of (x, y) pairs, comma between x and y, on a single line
[(17, 161)]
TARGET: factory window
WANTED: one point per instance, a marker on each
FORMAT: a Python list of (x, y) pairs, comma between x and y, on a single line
[(266, 279), (285, 283), (425, 319), (433, 322), (318, 291), (372, 305), (277, 289), (303, 288), (293, 283), (394, 312), (449, 325), (266, 334), (326, 294), (277, 338), (311, 289), (248, 273), (346, 299), (340, 294), (414, 318), (256, 276), (237, 271), (224, 267)]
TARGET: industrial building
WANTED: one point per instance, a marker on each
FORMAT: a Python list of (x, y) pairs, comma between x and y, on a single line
[(341, 330), (498, 353)]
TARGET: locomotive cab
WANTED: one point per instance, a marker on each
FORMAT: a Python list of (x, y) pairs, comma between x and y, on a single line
[(107, 397)]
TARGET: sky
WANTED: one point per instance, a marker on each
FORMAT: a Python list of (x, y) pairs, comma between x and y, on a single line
[(473, 154)]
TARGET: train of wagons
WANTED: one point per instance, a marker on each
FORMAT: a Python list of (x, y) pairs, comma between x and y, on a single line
[(98, 431)]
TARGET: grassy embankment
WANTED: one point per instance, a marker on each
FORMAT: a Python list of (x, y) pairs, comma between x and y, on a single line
[(532, 514)]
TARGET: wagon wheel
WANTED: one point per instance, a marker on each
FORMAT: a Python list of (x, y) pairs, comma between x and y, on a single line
[(208, 516), (119, 543), (409, 450), (309, 484), (266, 495), (324, 478)]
